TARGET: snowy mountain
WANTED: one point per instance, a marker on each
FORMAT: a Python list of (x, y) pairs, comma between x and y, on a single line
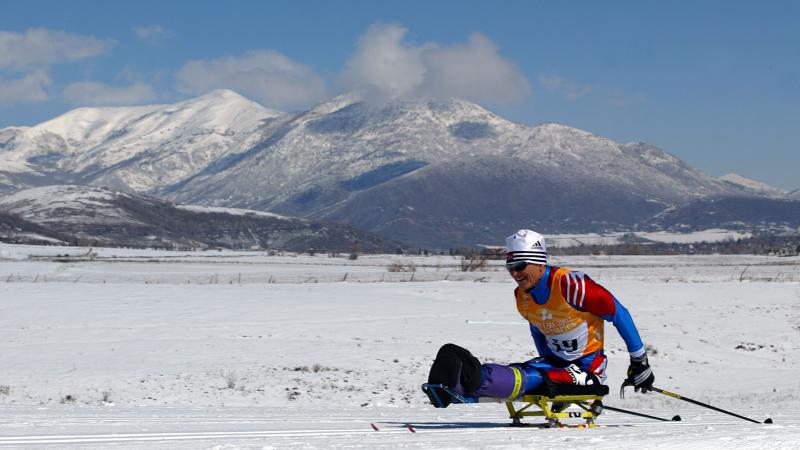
[(346, 146), (753, 185), (440, 173), (103, 217), (131, 148)]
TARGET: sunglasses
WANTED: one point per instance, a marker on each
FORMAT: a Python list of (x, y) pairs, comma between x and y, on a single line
[(516, 266)]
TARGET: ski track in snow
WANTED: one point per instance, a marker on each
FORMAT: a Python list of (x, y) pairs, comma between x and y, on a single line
[(126, 364), (456, 428)]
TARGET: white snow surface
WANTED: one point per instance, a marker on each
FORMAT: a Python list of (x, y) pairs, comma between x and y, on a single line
[(198, 350)]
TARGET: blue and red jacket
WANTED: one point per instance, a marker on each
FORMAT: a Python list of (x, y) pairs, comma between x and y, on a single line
[(566, 310)]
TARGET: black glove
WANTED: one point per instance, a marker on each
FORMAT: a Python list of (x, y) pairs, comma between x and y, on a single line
[(640, 375)]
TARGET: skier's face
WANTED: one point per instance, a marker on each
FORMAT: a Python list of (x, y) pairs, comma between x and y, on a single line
[(527, 277)]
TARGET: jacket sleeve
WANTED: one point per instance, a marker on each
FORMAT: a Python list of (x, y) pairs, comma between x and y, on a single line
[(583, 294)]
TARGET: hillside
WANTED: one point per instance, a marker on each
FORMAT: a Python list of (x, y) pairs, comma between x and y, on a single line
[(102, 217)]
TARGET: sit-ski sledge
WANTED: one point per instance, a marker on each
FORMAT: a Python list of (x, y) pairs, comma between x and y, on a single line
[(551, 399)]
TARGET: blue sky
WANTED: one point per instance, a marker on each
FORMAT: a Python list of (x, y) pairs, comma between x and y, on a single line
[(716, 83)]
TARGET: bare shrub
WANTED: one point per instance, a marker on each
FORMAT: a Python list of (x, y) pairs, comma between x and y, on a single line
[(354, 251), (231, 378), (400, 267), (741, 275), (5, 389), (473, 262)]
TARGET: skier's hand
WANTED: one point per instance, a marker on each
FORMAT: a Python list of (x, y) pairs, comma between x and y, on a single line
[(640, 375)]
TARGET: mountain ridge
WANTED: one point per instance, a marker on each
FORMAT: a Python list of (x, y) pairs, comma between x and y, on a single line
[(432, 170)]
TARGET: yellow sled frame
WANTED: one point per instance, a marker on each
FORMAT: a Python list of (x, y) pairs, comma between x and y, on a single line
[(591, 405)]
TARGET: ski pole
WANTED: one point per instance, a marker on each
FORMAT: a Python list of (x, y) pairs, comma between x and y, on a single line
[(680, 397), (625, 411)]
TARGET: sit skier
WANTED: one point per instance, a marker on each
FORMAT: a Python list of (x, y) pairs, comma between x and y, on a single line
[(565, 310)]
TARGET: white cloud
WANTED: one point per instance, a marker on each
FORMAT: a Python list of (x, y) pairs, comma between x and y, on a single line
[(383, 61), (573, 91), (39, 47), (152, 34), (474, 70), (266, 76), (29, 89), (92, 93)]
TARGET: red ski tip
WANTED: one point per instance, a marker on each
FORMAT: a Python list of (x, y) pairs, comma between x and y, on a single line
[(374, 427), (411, 429)]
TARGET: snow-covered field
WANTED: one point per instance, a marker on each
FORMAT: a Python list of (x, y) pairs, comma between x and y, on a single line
[(225, 350)]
